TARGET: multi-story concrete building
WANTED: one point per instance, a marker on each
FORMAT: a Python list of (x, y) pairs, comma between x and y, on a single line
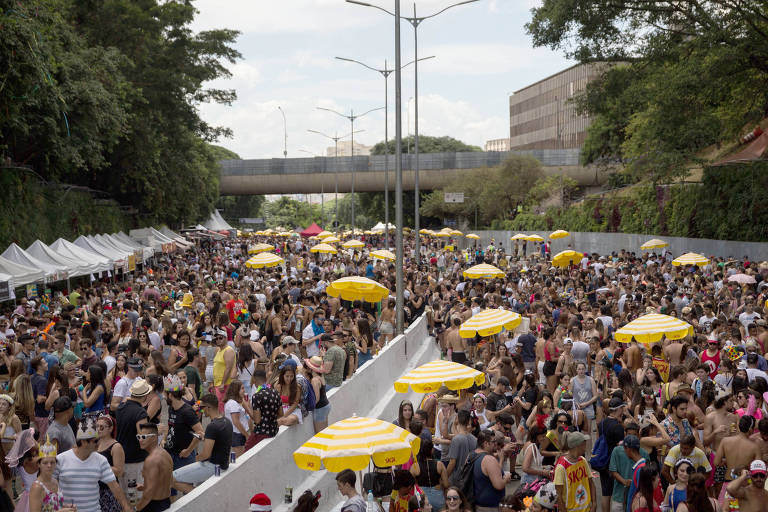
[(497, 145), (543, 115), (345, 149)]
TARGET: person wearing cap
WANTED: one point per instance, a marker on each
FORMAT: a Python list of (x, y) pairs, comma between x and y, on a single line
[(129, 415), (122, 389), (80, 470), (59, 432), (623, 458), (288, 346), (573, 476), (753, 497)]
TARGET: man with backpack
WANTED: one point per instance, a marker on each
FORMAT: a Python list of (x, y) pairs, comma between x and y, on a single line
[(481, 479), (462, 444), (611, 433)]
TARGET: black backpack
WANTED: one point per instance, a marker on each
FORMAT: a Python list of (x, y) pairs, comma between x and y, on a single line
[(466, 480)]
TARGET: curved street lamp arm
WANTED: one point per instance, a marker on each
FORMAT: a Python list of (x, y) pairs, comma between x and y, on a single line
[(334, 111), (446, 8), (365, 4), (320, 133), (419, 60), (362, 64), (372, 110)]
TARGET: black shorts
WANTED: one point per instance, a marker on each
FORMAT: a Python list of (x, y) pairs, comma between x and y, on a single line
[(459, 357), (157, 505), (549, 368), (606, 482)]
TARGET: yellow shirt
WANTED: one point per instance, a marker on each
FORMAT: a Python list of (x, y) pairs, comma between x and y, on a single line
[(220, 366), (575, 478)]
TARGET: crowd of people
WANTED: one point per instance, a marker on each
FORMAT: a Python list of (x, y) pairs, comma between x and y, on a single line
[(127, 393)]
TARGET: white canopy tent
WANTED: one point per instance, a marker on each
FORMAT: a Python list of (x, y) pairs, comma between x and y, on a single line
[(20, 274), (92, 245), (217, 223), (127, 240), (109, 241), (75, 266), (52, 271), (96, 261), (180, 240), (382, 227)]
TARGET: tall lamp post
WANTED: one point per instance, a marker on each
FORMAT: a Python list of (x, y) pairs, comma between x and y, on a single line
[(336, 168), (285, 133), (385, 73), (415, 21), (352, 117)]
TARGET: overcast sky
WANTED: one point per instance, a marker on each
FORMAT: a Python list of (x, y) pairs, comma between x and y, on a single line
[(482, 55)]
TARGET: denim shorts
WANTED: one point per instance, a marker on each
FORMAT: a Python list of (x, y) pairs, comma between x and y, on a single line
[(238, 439), (321, 414)]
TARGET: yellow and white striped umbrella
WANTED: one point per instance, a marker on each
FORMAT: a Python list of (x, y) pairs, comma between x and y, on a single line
[(443, 233), (483, 271), (256, 249), (566, 258), (331, 240), (534, 238), (357, 288), (560, 233), (654, 243), (432, 376), (473, 236), (650, 328), (425, 231), (519, 236), (456, 232), (324, 234), (489, 322), (353, 442), (323, 249), (353, 244), (690, 258), (264, 259), (383, 254)]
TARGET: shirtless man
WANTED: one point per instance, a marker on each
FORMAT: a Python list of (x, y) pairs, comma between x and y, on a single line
[(456, 345), (717, 426), (157, 472), (738, 451), (695, 415), (633, 357), (752, 498), (761, 437), (673, 352)]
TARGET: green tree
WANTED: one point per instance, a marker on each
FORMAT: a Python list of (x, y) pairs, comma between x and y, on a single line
[(289, 213), (427, 144)]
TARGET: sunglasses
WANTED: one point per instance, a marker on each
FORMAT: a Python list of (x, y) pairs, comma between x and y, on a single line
[(144, 437), (758, 474), (452, 498)]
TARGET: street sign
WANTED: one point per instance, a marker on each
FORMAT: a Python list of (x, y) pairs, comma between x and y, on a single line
[(257, 220), (453, 197)]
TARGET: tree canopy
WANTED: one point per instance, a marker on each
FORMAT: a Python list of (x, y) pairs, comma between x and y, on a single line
[(105, 94), (427, 144)]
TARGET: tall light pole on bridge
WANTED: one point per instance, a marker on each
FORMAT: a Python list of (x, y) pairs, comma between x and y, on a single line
[(285, 133), (336, 140), (385, 73), (352, 117), (415, 21)]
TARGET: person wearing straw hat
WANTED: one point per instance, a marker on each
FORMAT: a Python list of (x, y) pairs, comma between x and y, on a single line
[(129, 415)]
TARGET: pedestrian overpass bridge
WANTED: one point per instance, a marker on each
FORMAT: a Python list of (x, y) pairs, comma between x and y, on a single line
[(319, 174)]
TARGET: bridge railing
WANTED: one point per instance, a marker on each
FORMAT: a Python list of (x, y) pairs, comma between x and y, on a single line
[(374, 163)]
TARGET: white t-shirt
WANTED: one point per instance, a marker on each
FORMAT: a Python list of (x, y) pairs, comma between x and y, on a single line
[(79, 479), (747, 318), (123, 388), (155, 340), (753, 373), (233, 407), (110, 362), (313, 349)]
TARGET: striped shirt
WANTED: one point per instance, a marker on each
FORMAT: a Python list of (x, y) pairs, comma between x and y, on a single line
[(79, 479)]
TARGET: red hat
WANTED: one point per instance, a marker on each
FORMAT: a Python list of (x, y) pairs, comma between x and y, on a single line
[(260, 503)]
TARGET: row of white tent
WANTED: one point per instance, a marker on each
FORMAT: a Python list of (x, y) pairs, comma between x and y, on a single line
[(91, 255)]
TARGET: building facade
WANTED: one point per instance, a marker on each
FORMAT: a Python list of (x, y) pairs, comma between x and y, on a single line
[(345, 149), (497, 145), (543, 115)]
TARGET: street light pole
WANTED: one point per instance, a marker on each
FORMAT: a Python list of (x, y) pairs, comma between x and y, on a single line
[(352, 118), (415, 22), (336, 169), (285, 133), (385, 73), (399, 287)]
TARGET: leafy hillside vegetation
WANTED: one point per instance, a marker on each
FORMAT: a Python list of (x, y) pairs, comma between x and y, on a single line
[(105, 94)]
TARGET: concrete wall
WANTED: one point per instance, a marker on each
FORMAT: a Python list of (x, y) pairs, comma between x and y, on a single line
[(605, 243), (269, 466)]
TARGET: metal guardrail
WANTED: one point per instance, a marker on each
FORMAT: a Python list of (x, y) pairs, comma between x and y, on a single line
[(427, 162)]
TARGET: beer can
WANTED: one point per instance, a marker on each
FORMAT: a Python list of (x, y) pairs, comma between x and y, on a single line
[(288, 494), (232, 457), (216, 470)]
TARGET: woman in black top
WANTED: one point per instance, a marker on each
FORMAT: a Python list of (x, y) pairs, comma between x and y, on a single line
[(113, 451), (430, 474)]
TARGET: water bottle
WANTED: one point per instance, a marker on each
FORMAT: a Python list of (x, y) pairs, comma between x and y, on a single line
[(370, 506)]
